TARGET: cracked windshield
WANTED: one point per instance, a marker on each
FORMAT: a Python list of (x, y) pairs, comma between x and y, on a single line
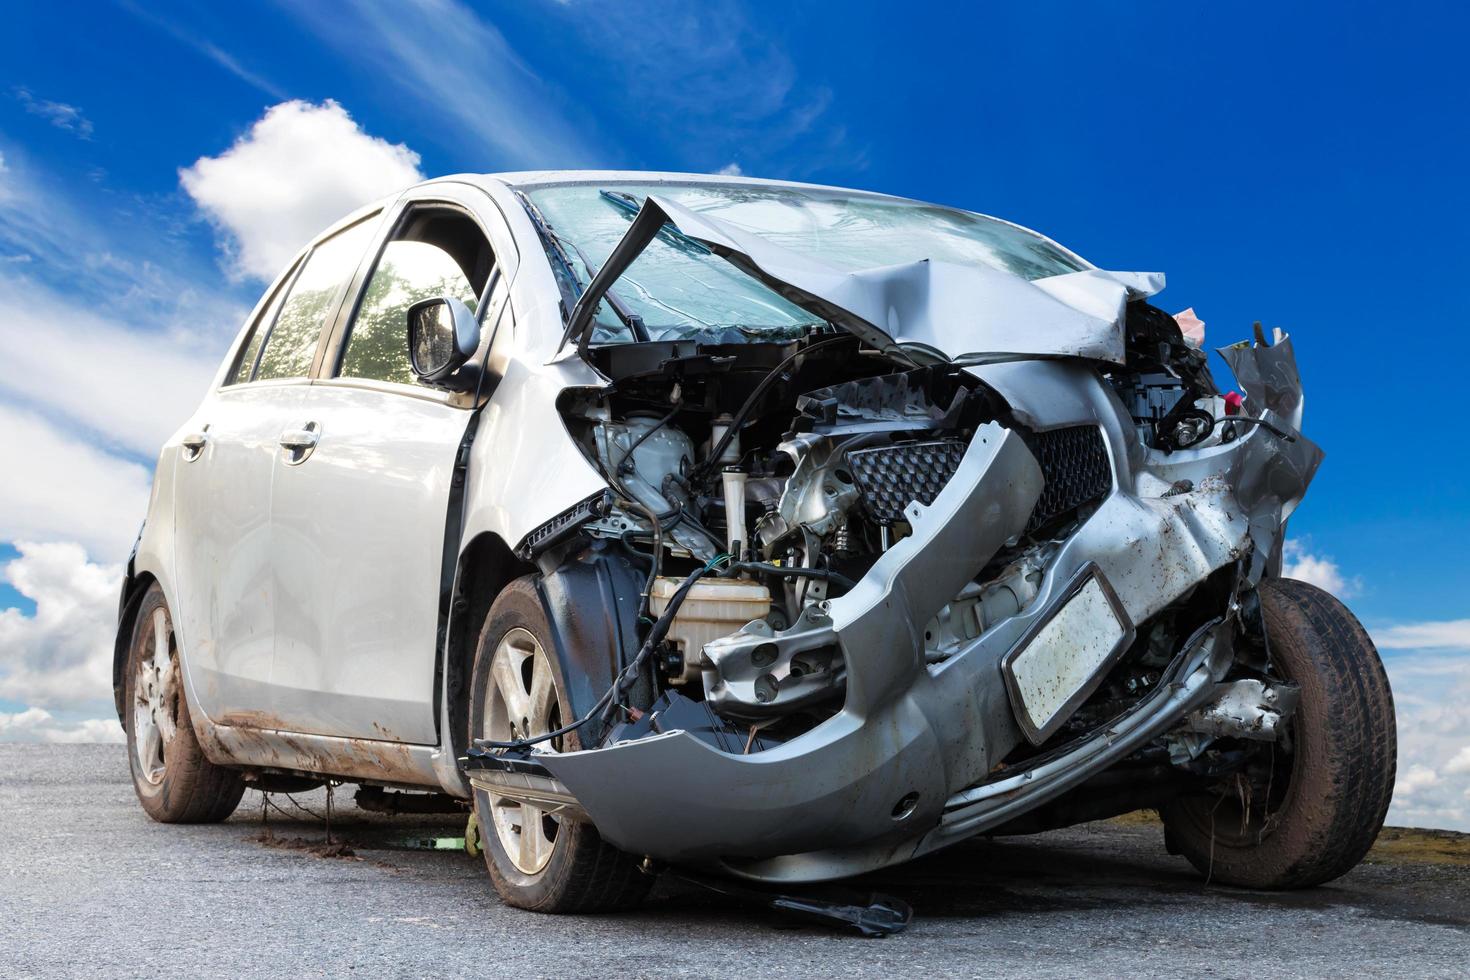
[(680, 290)]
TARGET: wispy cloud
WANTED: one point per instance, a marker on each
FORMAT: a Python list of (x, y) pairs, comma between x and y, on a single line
[(59, 114), (1449, 634), (299, 168), (208, 49), (459, 69), (709, 81)]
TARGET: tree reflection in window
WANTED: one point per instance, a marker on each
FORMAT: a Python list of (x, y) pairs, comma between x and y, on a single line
[(408, 272), (291, 346)]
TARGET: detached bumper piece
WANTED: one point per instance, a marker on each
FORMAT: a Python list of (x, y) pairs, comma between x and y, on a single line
[(514, 775)]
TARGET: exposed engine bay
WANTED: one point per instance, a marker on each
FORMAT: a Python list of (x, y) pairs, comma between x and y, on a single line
[(890, 597), (791, 468)]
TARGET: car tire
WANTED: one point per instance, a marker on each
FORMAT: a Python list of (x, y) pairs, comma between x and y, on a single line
[(537, 861), (175, 783), (1340, 770)]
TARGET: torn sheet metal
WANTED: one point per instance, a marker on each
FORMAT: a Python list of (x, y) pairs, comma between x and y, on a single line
[(1270, 470), (956, 310), (925, 310)]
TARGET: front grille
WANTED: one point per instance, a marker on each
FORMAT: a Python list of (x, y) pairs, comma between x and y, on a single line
[(1075, 464), (892, 477)]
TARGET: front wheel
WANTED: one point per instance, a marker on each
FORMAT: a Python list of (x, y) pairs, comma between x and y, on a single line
[(1327, 789), (537, 860)]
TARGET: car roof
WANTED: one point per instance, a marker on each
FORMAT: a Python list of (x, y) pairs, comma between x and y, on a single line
[(524, 180)]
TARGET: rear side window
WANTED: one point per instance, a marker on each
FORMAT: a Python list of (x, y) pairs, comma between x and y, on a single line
[(435, 251), (245, 366), (292, 341)]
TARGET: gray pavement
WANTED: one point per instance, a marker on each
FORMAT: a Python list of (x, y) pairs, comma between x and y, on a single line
[(91, 887)]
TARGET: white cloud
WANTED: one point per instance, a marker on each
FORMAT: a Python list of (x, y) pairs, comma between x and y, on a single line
[(1460, 763), (1431, 692), (1319, 570), (58, 114), (731, 169), (38, 725), (57, 486), (1452, 634), (299, 168), (1418, 777), (60, 657)]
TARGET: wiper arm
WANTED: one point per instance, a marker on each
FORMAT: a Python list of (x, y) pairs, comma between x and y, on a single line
[(564, 271), (631, 320)]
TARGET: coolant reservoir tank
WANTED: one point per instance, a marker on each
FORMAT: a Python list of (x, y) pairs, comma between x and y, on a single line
[(713, 608)]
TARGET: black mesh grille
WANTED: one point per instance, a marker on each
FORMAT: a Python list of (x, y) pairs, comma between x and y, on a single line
[(892, 477), (1075, 463)]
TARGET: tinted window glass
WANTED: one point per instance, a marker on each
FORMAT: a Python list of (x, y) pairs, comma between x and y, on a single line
[(292, 342), (435, 252)]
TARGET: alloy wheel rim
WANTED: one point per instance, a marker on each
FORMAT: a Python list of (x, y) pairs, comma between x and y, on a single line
[(155, 701), (521, 702)]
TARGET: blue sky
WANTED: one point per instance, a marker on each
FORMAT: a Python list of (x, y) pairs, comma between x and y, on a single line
[(1298, 164)]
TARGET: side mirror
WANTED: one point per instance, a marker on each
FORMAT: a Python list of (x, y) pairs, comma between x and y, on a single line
[(442, 334)]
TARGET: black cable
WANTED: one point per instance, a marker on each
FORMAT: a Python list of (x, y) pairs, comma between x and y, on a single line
[(785, 571), (625, 678), (740, 416), (1262, 423)]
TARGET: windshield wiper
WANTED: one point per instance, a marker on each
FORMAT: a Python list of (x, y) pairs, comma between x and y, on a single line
[(629, 206), (567, 273)]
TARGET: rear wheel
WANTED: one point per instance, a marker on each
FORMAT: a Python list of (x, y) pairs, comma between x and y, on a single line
[(537, 860), (1327, 785), (174, 781)]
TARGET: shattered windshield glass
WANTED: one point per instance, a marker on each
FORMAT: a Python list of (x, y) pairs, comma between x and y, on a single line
[(680, 290)]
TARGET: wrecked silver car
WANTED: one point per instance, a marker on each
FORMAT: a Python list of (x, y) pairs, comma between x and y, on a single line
[(767, 530)]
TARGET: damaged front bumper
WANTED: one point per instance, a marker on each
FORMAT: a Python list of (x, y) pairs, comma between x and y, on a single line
[(912, 761)]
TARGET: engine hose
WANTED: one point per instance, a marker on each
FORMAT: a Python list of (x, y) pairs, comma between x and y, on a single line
[(785, 571)]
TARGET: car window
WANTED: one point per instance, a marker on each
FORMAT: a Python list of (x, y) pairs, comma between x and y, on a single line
[(435, 251), (293, 337), (245, 366)]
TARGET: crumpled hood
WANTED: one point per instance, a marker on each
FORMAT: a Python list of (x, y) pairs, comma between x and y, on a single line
[(956, 310)]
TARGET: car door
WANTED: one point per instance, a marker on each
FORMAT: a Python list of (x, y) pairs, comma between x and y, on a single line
[(358, 517), (226, 594)]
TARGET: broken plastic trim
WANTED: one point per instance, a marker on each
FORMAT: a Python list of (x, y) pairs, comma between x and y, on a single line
[(562, 526)]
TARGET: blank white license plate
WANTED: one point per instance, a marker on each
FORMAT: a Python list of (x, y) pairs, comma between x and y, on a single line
[(1059, 664)]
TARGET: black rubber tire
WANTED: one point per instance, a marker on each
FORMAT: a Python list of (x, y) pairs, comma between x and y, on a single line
[(193, 789), (585, 873), (1341, 768)]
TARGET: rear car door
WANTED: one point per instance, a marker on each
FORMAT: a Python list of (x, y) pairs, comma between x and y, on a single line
[(222, 487), (358, 518)]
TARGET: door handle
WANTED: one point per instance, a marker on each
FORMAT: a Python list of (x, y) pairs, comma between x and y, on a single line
[(193, 443), (299, 442)]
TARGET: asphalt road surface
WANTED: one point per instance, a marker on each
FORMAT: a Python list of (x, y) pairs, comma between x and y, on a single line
[(92, 887)]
